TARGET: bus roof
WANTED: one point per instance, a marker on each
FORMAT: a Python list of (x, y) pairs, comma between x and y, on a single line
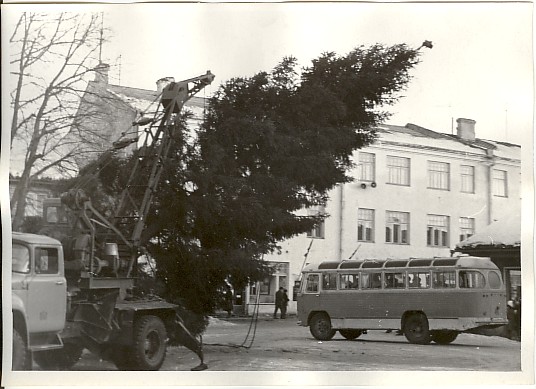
[(461, 261)]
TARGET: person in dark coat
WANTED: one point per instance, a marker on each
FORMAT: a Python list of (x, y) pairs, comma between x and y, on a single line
[(280, 302), (285, 304)]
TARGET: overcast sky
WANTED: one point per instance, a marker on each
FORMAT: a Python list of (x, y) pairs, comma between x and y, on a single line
[(479, 68)]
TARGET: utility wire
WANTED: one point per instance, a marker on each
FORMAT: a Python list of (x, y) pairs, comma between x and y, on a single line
[(248, 342)]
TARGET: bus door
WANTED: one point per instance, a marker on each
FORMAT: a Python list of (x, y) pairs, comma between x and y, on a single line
[(473, 281), (310, 295)]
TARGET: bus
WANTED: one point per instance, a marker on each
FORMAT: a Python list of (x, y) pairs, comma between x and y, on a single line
[(427, 299)]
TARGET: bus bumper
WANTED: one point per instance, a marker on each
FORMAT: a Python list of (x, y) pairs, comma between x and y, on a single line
[(465, 323)]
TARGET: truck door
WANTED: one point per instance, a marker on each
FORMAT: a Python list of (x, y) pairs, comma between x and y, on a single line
[(47, 291)]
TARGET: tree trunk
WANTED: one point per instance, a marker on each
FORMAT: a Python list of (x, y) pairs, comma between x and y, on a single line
[(18, 201)]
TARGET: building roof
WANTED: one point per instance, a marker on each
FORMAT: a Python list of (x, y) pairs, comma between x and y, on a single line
[(504, 232), (144, 100), (414, 135)]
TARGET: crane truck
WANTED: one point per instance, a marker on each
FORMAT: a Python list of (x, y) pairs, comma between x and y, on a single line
[(74, 285)]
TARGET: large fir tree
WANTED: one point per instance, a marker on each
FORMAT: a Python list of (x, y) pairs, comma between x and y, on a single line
[(271, 144)]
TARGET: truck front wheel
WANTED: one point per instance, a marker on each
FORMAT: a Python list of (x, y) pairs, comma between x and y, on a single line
[(149, 344), (59, 359), (21, 355)]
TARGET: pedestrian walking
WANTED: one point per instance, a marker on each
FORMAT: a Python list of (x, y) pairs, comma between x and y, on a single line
[(279, 302), (285, 304)]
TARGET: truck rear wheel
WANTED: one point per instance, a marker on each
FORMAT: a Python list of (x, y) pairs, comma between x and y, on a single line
[(149, 344), (59, 359), (21, 355)]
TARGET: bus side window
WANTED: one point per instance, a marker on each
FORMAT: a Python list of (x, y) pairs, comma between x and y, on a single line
[(444, 279), (329, 281), (312, 283), (371, 280), (419, 280), (471, 279), (349, 281), (395, 280), (494, 280)]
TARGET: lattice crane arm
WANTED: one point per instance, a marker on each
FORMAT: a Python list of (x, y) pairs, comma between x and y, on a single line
[(158, 141)]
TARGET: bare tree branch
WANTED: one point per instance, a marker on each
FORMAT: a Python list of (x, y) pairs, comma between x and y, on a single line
[(52, 56)]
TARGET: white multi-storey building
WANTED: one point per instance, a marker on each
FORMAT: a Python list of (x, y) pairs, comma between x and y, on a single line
[(416, 194)]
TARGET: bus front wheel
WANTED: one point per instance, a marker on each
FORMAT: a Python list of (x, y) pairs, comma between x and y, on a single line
[(350, 334), (416, 329), (444, 337), (320, 327)]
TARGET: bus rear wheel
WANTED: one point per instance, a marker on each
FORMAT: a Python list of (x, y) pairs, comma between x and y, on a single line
[(320, 327), (444, 337), (350, 334), (416, 329)]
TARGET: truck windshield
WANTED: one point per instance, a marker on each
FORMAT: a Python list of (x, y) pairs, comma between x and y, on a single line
[(21, 259)]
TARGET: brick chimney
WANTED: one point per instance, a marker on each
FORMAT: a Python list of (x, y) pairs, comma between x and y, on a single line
[(466, 128), (163, 82), (101, 73)]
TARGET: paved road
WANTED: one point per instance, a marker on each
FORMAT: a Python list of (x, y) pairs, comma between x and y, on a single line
[(282, 345)]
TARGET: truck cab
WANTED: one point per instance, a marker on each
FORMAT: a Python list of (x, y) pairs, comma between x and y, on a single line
[(39, 295)]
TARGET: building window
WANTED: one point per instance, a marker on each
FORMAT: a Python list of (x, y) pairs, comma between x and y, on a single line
[(318, 230), (467, 228), (438, 231), (398, 170), (264, 286), (365, 225), (366, 167), (397, 227), (438, 175), (499, 183), (468, 178)]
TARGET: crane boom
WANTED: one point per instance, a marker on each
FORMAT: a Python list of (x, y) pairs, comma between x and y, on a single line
[(159, 138)]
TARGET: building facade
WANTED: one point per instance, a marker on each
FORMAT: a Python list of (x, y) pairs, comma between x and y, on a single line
[(416, 193), (112, 110), (38, 191)]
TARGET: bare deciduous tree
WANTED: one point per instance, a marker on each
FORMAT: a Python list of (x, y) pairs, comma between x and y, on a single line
[(52, 56)]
